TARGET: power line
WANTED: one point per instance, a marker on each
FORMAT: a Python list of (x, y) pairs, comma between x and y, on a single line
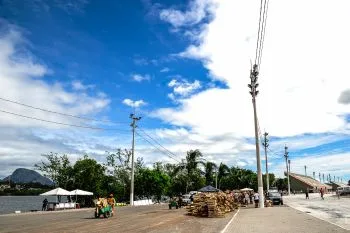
[(58, 123), (261, 31), (59, 113), (259, 28), (167, 154), (157, 142), (164, 147), (262, 38)]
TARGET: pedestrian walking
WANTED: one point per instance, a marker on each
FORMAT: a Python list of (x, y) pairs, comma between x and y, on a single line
[(322, 192), (338, 194), (246, 195), (307, 194)]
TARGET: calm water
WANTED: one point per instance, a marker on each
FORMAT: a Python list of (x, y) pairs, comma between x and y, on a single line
[(8, 204)]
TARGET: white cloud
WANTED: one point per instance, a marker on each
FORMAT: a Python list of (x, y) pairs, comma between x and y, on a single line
[(164, 70), (134, 104), (334, 164), (293, 100), (24, 80), (79, 86), (140, 78), (196, 12), (182, 88)]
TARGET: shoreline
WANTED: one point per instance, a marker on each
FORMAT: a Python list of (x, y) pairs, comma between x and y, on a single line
[(39, 212)]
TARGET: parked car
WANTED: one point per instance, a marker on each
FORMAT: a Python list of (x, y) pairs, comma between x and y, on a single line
[(275, 197), (186, 199), (345, 190)]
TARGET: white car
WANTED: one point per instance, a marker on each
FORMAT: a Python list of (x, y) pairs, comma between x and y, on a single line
[(186, 199)]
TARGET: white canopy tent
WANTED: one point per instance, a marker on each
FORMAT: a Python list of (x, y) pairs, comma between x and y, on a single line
[(246, 189), (80, 193), (56, 192)]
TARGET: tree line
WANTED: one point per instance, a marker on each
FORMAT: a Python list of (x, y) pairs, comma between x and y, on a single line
[(162, 179)]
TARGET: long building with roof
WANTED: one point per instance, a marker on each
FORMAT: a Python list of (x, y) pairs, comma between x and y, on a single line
[(302, 183)]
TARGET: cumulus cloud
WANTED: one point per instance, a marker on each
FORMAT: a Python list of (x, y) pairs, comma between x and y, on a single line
[(140, 78), (183, 88), (164, 70), (196, 12), (344, 97), (227, 53), (134, 104), (79, 86), (24, 79), (299, 89)]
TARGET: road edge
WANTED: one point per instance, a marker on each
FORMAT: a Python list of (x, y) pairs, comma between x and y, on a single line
[(228, 224)]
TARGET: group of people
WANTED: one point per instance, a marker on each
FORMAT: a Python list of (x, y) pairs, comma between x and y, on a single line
[(246, 198), (107, 201), (321, 193)]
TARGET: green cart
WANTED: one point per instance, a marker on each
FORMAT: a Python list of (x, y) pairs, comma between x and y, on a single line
[(173, 203), (105, 211)]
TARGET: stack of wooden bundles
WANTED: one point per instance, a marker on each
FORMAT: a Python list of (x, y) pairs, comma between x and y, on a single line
[(211, 204)]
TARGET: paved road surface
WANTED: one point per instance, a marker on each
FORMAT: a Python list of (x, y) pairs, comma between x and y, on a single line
[(158, 219), (153, 219), (330, 209)]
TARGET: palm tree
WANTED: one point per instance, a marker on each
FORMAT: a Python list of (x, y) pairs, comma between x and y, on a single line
[(209, 168), (223, 171)]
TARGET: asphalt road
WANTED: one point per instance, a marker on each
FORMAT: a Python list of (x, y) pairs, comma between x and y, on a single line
[(331, 209), (155, 219), (159, 219)]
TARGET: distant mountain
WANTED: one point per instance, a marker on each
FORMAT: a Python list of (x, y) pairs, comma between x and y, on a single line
[(23, 175)]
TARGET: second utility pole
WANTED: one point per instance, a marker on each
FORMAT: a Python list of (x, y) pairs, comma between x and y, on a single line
[(266, 145), (133, 125), (286, 156)]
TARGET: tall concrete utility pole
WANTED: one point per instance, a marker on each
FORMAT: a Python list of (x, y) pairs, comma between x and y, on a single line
[(133, 125), (286, 157), (254, 92), (216, 177), (323, 177), (266, 145), (305, 170), (289, 166)]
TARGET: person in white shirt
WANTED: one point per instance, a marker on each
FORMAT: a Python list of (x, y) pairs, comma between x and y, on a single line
[(256, 199)]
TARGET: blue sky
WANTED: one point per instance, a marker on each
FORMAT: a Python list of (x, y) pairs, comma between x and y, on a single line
[(181, 65)]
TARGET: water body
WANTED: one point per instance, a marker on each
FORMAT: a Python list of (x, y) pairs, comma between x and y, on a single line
[(9, 204)]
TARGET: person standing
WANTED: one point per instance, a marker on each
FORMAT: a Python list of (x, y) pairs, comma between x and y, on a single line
[(111, 201), (307, 193), (256, 199), (44, 204)]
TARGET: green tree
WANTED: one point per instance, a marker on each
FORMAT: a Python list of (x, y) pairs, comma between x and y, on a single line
[(89, 175), (209, 168), (57, 168)]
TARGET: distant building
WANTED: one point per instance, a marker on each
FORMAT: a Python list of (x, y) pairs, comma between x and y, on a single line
[(335, 185), (302, 183), (4, 186)]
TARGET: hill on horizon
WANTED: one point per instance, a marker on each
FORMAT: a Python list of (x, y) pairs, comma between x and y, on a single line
[(24, 176)]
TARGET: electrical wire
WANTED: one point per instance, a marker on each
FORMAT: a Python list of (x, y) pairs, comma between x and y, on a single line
[(259, 28), (266, 7), (167, 154), (59, 123), (261, 31), (59, 113), (157, 142)]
